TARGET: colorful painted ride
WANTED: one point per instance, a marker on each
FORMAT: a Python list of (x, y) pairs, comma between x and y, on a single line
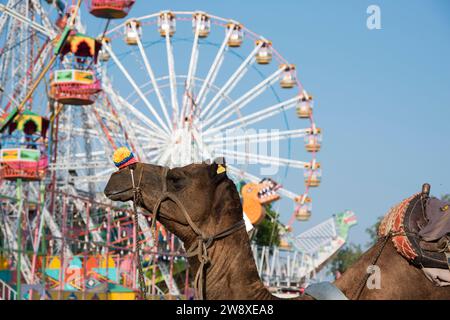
[(110, 9), (255, 196), (75, 80), (23, 148)]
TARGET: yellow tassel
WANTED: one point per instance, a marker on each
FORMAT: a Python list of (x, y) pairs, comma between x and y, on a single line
[(220, 169)]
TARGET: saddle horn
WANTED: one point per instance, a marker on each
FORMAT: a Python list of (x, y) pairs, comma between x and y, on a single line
[(426, 187)]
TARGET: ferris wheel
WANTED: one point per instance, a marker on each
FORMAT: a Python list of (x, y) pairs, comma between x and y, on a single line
[(193, 86), (179, 87)]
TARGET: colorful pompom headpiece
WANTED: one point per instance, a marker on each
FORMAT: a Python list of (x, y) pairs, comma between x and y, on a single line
[(123, 157)]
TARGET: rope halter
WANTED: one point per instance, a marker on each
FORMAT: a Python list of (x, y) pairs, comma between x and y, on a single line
[(200, 246)]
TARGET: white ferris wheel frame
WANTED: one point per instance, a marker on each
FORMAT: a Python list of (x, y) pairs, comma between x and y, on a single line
[(213, 119)]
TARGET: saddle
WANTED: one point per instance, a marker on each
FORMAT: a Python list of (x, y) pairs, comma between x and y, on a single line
[(419, 227)]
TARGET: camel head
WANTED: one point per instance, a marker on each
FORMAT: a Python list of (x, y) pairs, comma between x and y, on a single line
[(204, 190)]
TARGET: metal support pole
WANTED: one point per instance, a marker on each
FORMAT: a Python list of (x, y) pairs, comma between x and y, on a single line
[(19, 238)]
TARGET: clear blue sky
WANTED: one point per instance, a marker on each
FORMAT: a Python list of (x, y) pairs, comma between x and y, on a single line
[(382, 96)]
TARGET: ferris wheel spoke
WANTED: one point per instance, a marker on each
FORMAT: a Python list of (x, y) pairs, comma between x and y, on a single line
[(151, 75), (213, 71), (44, 17), (155, 146), (116, 29), (164, 128), (237, 105), (244, 174), (128, 128), (3, 18), (254, 117), (230, 84), (147, 134), (153, 150), (80, 132), (164, 158), (140, 116), (144, 130), (97, 177), (152, 153), (191, 74), (151, 136), (253, 158), (172, 77), (25, 20), (220, 140), (93, 154)]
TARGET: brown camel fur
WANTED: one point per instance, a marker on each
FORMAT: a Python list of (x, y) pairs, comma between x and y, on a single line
[(213, 203)]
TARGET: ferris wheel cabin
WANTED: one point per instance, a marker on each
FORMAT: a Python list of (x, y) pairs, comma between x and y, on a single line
[(288, 79), (264, 54), (201, 22), (104, 55), (304, 208), (22, 146), (313, 140), (304, 107), (236, 36), (74, 80), (284, 244), (313, 177), (110, 9), (167, 23), (133, 31), (64, 15)]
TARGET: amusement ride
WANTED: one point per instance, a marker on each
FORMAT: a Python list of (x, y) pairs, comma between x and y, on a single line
[(175, 87)]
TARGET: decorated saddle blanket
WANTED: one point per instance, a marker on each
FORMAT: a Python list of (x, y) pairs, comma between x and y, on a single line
[(393, 223), (420, 230)]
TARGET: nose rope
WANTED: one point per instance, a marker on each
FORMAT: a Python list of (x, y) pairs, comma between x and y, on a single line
[(136, 199), (200, 246)]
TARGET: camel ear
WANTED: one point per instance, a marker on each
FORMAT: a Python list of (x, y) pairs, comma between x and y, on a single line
[(218, 169)]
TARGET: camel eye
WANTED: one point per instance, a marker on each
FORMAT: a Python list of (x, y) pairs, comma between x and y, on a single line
[(177, 182)]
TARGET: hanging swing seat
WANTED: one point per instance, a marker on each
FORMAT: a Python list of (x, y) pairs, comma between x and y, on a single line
[(21, 163), (111, 9)]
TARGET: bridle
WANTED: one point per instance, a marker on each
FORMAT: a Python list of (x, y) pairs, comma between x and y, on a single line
[(199, 248)]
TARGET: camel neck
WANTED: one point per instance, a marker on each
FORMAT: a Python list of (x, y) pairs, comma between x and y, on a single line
[(232, 273)]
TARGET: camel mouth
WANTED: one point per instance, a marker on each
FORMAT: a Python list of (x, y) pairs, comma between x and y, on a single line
[(115, 195)]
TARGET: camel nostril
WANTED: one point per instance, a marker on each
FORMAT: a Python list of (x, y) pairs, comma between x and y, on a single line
[(107, 191)]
